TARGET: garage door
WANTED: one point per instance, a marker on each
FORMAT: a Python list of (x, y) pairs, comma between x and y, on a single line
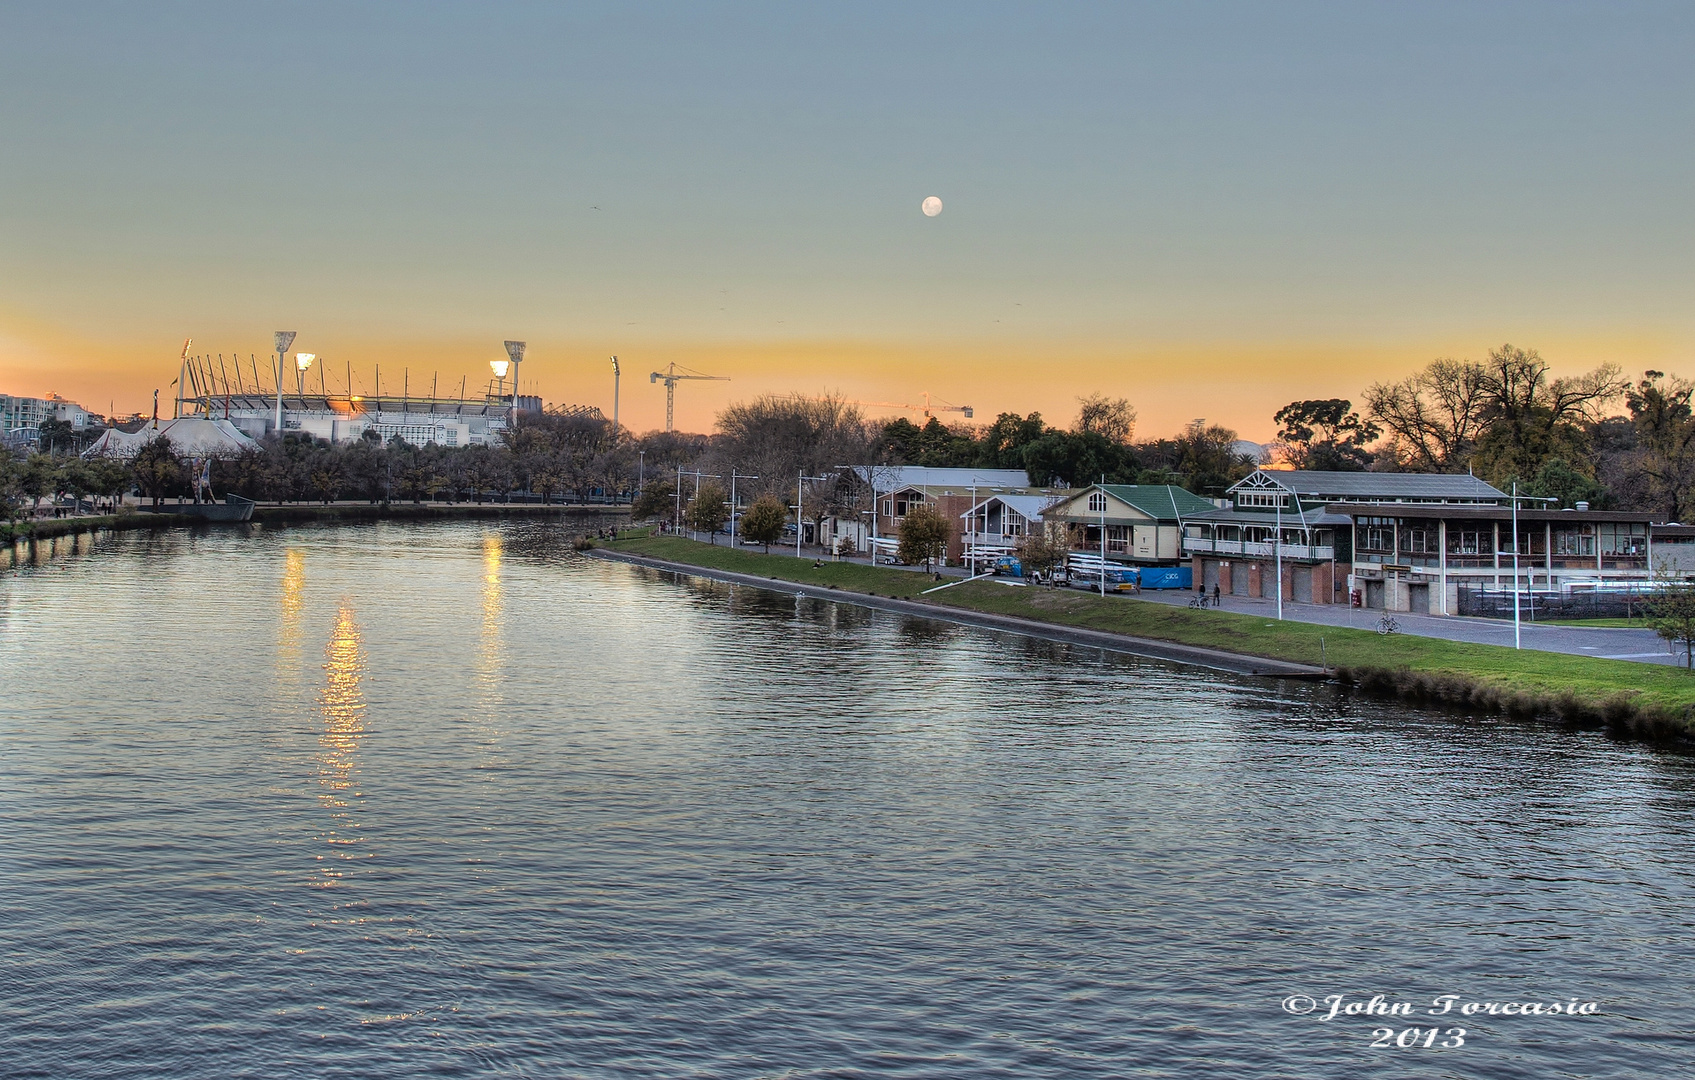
[(1303, 584)]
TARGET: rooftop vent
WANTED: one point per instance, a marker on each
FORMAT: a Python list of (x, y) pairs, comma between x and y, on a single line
[(1583, 506)]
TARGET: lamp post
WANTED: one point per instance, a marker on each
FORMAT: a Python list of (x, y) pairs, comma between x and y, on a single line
[(514, 352), (615, 377), (499, 368), (283, 339), (734, 476), (1277, 552), (1103, 539), (1517, 498)]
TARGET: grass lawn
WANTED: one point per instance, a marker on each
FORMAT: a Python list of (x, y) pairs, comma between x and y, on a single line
[(1612, 624), (1651, 687)]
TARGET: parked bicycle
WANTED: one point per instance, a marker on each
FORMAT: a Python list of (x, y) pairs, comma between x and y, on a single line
[(1386, 625), (1198, 601)]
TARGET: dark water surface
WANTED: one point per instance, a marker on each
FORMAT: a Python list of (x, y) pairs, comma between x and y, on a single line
[(449, 800)]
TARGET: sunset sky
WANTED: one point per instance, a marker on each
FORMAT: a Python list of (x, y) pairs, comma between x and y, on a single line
[(1208, 209)]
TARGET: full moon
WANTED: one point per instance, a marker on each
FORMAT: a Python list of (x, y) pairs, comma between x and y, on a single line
[(931, 206)]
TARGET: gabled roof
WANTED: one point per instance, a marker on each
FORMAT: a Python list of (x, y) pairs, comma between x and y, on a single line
[(1162, 502), (1030, 507), (1159, 500), (888, 477), (1372, 486)]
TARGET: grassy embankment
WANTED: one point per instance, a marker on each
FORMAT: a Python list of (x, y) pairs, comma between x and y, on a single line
[(1644, 700)]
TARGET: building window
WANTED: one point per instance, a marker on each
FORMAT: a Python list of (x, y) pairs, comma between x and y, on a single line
[(1266, 499), (1575, 540), (1471, 542), (1097, 503)]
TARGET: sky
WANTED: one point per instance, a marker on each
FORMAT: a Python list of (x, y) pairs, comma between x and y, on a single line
[(1209, 209)]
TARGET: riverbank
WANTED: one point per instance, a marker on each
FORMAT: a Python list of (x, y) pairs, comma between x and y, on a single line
[(1632, 700), (294, 513)]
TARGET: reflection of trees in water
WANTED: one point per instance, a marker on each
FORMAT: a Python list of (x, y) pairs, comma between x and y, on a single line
[(341, 708), (550, 539), (918, 631)]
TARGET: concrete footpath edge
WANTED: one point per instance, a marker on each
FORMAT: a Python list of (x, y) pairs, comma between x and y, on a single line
[(1215, 659)]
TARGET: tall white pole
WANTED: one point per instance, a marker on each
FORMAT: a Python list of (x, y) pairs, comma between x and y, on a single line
[(1277, 551), (798, 482), (1103, 542), (1515, 565)]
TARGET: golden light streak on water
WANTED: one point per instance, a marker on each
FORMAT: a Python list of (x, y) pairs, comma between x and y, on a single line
[(341, 707), (486, 728), (293, 606), (491, 651)]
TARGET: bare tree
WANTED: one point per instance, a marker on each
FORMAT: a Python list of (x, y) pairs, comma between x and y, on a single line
[(1433, 417), (1112, 418)]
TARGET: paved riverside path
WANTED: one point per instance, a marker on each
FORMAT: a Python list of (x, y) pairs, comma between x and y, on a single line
[(1643, 646)]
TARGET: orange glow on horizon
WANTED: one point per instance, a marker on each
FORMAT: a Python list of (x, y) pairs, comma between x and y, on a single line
[(1238, 384)]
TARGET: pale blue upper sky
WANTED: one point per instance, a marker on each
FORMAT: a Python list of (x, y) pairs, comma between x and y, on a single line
[(1174, 173)]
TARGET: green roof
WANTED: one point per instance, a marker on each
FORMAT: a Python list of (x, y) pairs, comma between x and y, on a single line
[(1165, 501)]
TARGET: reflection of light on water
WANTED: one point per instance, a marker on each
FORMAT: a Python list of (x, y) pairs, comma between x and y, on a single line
[(293, 605), (341, 706), (491, 648), (491, 658)]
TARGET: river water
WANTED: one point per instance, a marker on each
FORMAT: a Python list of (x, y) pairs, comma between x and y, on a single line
[(450, 800)]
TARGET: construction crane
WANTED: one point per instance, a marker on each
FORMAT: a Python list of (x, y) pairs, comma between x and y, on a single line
[(671, 377), (927, 408)]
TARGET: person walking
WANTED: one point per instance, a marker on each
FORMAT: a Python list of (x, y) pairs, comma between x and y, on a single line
[(1215, 595)]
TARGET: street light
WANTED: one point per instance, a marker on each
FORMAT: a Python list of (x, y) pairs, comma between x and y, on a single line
[(283, 339), (1517, 498), (302, 362), (515, 351), (734, 476)]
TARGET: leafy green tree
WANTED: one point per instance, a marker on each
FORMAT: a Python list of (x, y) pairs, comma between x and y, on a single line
[(1326, 435), (109, 478), (57, 436), (763, 521), (1072, 458), (159, 470), (1661, 460), (708, 511), (924, 536), (1671, 613), (1002, 443), (656, 500), (1556, 479), (11, 483)]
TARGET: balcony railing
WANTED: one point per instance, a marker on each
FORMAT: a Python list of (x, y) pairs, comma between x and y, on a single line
[(1247, 550)]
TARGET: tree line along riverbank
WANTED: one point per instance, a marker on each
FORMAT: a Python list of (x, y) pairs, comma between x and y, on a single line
[(46, 528), (1642, 701)]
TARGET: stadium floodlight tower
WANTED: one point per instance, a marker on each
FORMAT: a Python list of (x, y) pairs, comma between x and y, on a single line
[(515, 350), (302, 363), (284, 338)]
